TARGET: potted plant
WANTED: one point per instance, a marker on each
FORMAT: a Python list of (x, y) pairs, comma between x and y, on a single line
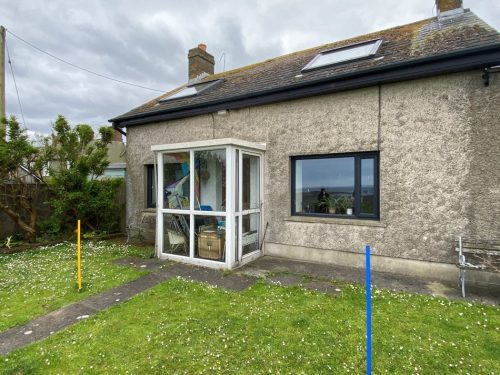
[(328, 204), (344, 205)]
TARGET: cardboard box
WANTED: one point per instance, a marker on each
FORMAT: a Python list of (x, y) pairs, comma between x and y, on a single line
[(211, 244)]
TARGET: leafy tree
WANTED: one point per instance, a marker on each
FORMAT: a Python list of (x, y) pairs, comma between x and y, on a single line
[(78, 160), (65, 166), (21, 175)]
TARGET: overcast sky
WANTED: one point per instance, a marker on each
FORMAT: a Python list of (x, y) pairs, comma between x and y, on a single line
[(146, 42)]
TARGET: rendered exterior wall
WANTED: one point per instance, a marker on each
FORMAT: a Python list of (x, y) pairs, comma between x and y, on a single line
[(439, 162)]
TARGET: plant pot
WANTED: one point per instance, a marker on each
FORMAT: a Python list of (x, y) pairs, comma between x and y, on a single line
[(349, 211), (332, 210)]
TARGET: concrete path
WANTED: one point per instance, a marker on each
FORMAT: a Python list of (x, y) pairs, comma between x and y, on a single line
[(314, 276), (43, 326), (279, 267)]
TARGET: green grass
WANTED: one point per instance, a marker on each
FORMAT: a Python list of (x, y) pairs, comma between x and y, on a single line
[(38, 281), (181, 327)]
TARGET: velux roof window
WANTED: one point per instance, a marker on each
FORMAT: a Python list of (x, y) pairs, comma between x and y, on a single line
[(191, 90), (340, 55)]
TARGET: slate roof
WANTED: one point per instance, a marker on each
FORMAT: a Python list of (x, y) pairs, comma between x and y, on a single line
[(405, 43)]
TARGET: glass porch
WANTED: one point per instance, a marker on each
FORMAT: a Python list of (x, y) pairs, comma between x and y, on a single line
[(209, 202)]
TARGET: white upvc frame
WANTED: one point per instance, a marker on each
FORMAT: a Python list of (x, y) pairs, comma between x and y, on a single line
[(232, 258), (242, 259)]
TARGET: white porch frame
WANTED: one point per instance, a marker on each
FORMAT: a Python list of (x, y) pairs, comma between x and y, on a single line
[(232, 258)]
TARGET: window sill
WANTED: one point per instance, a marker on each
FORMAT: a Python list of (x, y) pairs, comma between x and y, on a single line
[(336, 220)]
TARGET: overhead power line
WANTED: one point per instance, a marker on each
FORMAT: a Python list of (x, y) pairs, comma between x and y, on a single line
[(15, 83), (81, 68)]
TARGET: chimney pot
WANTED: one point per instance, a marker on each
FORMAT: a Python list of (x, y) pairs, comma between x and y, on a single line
[(202, 46)]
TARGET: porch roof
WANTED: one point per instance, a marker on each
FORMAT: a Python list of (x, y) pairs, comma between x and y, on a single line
[(210, 143)]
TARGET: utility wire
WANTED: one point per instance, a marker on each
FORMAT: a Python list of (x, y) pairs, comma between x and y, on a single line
[(15, 83), (79, 67)]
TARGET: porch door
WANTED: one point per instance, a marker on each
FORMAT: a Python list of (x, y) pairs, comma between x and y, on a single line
[(249, 205)]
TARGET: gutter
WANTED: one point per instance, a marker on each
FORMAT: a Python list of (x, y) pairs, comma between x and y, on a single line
[(472, 58)]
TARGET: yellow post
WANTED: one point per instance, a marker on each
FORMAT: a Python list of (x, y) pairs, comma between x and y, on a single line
[(78, 257)]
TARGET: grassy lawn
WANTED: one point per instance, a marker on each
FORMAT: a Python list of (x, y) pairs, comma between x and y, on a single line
[(182, 327), (35, 282)]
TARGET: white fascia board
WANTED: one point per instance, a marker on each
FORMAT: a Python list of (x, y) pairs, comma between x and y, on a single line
[(210, 143)]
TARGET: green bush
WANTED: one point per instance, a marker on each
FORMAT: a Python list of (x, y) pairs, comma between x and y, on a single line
[(95, 205)]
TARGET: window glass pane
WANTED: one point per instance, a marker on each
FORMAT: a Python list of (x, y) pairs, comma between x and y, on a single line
[(251, 182), (176, 234), (190, 91), (324, 185), (150, 187), (176, 180), (367, 186), (250, 232), (210, 238), (187, 91), (210, 180), (345, 54)]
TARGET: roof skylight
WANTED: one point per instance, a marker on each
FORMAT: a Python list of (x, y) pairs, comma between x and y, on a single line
[(344, 54), (190, 91)]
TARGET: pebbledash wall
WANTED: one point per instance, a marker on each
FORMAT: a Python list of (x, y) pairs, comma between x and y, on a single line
[(439, 149)]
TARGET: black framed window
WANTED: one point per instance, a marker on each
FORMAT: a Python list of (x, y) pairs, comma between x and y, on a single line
[(150, 186), (336, 185)]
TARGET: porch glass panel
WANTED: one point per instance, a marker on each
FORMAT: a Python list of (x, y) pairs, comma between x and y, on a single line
[(210, 237), (176, 234), (250, 233), (251, 181), (210, 180), (176, 180)]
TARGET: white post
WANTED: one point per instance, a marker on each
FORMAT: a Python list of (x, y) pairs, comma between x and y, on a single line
[(192, 201), (240, 205), (159, 204), (261, 203), (230, 199)]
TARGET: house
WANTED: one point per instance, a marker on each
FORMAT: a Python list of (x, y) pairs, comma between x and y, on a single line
[(390, 138), (116, 155)]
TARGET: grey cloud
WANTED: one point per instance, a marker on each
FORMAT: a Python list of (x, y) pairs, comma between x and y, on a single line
[(146, 42)]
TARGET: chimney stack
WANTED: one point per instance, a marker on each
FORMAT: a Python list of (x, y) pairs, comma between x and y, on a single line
[(200, 61), (117, 136), (449, 7)]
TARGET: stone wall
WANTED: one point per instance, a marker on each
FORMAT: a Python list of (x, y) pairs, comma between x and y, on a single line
[(439, 162)]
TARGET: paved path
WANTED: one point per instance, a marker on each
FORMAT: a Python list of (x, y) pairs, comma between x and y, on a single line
[(43, 326), (319, 277), (267, 265)]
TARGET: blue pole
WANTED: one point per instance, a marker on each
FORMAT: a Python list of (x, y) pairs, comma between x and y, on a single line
[(368, 314)]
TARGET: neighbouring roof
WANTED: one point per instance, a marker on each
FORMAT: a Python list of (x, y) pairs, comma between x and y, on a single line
[(457, 43)]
